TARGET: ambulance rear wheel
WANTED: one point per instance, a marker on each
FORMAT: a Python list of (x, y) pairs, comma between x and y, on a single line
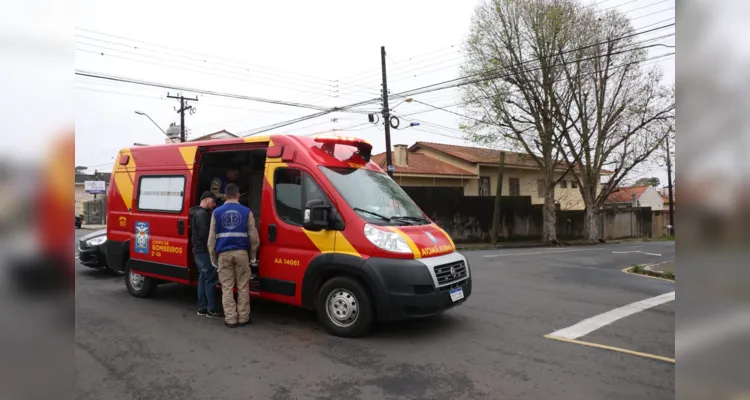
[(139, 285), (344, 307)]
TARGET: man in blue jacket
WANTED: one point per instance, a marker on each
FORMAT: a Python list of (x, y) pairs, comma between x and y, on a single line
[(233, 244)]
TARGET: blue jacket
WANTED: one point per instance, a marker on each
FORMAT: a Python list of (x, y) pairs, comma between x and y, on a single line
[(231, 222)]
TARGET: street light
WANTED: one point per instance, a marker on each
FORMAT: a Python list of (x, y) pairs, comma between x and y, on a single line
[(157, 125)]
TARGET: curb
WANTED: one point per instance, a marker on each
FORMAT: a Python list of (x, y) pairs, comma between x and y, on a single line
[(628, 270), (460, 247)]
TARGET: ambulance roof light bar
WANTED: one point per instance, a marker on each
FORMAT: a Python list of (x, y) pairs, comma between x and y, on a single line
[(364, 148)]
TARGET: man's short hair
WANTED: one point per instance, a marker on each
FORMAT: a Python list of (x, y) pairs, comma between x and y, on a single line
[(232, 191)]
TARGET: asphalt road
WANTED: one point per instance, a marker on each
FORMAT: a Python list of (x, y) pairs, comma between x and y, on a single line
[(491, 347)]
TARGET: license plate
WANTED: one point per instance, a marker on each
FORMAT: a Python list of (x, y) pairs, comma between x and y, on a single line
[(457, 294)]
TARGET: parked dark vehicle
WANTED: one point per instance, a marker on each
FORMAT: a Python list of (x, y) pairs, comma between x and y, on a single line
[(79, 221), (92, 251)]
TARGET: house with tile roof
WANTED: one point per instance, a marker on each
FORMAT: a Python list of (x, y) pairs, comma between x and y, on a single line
[(638, 196), (474, 169)]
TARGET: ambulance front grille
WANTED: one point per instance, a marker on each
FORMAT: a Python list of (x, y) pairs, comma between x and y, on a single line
[(447, 274)]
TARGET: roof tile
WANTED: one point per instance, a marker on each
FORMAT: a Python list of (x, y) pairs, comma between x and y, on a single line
[(625, 194), (422, 164)]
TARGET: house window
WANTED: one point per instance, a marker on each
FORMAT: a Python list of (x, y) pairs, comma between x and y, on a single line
[(514, 187), (484, 186), (540, 187), (574, 184), (161, 193), (563, 184)]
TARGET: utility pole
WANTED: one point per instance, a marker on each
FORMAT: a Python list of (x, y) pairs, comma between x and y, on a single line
[(182, 110), (386, 117), (669, 186)]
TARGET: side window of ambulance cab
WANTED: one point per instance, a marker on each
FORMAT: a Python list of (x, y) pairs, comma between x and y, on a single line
[(288, 195), (293, 188)]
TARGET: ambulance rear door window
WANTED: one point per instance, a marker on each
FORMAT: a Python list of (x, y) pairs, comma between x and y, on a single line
[(161, 193)]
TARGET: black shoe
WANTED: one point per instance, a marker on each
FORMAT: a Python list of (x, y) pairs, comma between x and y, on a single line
[(202, 312), (228, 325), (212, 314), (249, 321)]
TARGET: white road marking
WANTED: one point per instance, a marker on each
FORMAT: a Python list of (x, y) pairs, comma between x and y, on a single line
[(636, 251), (538, 252), (589, 325)]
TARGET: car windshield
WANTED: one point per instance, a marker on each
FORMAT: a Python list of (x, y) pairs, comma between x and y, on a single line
[(375, 196)]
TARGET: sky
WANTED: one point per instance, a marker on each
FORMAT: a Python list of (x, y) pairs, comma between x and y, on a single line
[(320, 53)]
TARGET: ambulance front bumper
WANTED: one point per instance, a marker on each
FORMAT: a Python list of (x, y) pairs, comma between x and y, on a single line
[(419, 288)]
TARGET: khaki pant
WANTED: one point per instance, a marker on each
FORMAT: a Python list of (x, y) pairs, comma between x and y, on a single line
[(234, 269)]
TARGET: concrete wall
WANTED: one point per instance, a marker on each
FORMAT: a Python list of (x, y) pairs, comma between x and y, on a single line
[(627, 222), (468, 218)]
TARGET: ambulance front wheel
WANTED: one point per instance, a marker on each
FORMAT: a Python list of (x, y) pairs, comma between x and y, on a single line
[(139, 285), (344, 307)]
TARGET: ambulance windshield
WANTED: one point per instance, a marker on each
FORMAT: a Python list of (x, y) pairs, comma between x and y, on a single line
[(375, 196)]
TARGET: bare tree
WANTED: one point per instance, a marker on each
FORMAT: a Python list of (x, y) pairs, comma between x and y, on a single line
[(621, 111), (515, 84)]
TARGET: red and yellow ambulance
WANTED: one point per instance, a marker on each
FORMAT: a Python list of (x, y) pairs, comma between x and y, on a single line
[(337, 234)]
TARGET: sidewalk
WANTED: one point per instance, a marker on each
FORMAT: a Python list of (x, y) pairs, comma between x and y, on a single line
[(665, 267)]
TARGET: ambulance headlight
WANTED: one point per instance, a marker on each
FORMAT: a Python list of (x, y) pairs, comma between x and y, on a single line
[(96, 241), (386, 240)]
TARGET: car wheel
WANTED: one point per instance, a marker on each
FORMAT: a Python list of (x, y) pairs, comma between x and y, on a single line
[(345, 308), (139, 285)]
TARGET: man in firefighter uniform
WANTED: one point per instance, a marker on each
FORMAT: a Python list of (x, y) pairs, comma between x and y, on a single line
[(233, 245)]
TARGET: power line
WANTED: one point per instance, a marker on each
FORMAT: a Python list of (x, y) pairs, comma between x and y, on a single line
[(639, 8), (201, 61), (468, 117), (417, 90), (103, 54), (203, 91), (263, 67), (374, 78), (464, 81)]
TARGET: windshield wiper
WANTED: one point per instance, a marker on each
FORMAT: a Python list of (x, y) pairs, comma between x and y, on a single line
[(409, 218), (384, 218)]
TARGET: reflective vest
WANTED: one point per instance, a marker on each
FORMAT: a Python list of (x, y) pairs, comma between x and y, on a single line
[(231, 227)]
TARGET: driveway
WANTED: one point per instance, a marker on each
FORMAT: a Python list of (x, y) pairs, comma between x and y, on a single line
[(492, 347)]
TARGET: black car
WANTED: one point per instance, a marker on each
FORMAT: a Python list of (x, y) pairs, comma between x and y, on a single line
[(79, 221), (92, 251)]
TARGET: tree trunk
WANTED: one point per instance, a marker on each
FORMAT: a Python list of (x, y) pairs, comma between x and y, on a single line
[(592, 220), (592, 225), (549, 230), (498, 197)]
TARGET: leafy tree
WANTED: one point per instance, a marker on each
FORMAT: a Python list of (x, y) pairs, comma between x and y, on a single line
[(622, 112), (514, 84), (650, 181)]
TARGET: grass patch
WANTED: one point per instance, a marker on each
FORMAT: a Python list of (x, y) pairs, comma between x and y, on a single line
[(641, 270), (663, 238)]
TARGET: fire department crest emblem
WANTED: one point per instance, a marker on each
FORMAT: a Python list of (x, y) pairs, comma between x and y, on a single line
[(141, 237)]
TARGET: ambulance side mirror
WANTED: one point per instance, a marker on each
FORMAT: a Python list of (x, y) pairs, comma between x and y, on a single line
[(316, 215)]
